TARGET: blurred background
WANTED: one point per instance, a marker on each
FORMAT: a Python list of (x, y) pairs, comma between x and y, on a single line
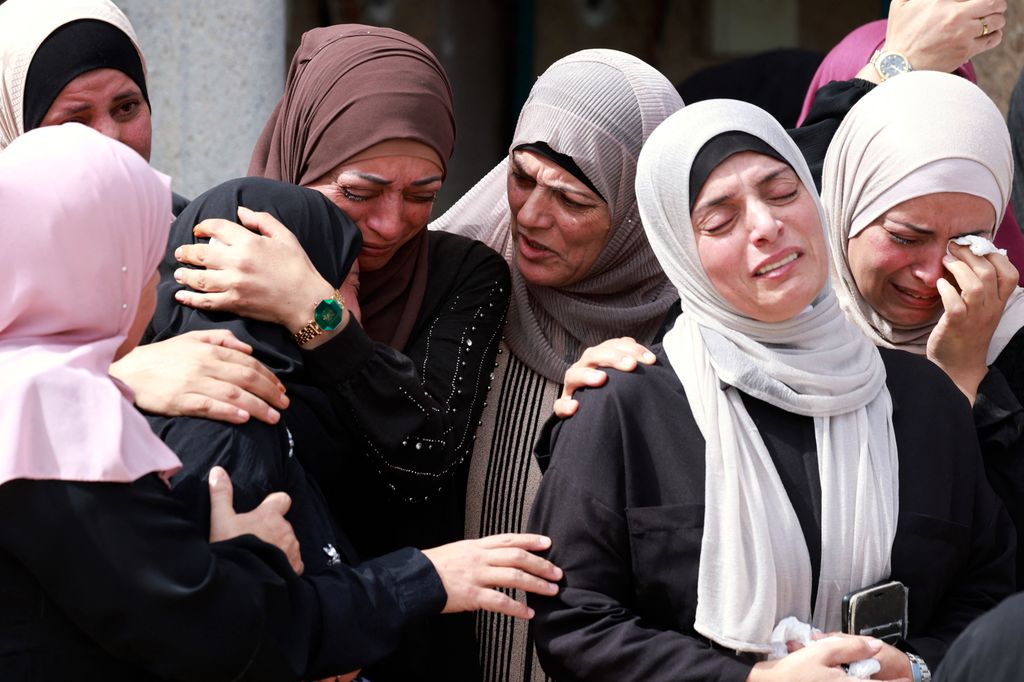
[(217, 69)]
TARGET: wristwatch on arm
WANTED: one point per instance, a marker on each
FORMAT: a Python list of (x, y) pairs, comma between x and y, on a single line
[(919, 669), (327, 315), (889, 64)]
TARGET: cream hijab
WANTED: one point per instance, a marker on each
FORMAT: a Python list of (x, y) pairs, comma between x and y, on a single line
[(85, 224), (921, 133), (598, 107), (24, 25), (754, 565)]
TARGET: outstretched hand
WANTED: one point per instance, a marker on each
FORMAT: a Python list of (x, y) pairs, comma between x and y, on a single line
[(207, 374), (266, 521), (473, 570)]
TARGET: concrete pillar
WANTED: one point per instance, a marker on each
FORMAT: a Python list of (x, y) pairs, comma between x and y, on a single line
[(216, 70)]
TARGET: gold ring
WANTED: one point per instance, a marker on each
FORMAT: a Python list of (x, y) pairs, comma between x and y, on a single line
[(984, 27)]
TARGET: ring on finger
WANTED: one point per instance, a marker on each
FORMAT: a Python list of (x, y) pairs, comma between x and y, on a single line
[(984, 27)]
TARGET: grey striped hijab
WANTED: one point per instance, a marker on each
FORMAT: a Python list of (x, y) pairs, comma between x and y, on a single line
[(598, 107)]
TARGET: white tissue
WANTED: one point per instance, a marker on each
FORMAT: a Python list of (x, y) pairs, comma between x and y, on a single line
[(979, 245), (791, 629)]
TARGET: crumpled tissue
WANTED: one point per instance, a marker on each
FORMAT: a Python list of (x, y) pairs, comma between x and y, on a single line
[(792, 629)]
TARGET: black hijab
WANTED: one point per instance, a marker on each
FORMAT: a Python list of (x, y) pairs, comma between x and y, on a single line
[(327, 235)]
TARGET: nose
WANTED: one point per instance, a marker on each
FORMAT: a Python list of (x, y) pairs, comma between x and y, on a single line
[(386, 218), (929, 267), (107, 126), (534, 211), (764, 226)]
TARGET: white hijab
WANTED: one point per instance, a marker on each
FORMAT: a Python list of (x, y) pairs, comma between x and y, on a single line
[(24, 25), (919, 134), (754, 565), (597, 106)]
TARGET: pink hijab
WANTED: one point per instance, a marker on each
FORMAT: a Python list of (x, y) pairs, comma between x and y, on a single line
[(847, 58), (85, 224)]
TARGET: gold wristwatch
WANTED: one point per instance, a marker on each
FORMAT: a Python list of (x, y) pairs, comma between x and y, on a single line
[(326, 316)]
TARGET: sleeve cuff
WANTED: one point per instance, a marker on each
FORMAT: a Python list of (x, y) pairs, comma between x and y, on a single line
[(341, 357), (418, 587)]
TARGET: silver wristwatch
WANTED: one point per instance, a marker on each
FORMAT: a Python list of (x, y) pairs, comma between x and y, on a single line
[(919, 669)]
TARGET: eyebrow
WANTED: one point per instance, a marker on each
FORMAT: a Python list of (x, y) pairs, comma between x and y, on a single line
[(79, 108), (378, 180), (925, 231), (711, 203), (556, 186)]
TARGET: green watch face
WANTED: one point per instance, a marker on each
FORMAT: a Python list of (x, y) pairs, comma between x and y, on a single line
[(327, 314)]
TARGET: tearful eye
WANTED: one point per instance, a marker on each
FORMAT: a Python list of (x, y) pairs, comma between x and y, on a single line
[(352, 195)]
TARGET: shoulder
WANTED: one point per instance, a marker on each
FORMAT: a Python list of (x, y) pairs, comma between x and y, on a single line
[(630, 408), (449, 250), (915, 379)]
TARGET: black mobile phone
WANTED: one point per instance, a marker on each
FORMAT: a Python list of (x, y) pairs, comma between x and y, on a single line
[(877, 611)]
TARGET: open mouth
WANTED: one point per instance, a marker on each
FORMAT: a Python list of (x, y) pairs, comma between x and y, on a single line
[(918, 298), (534, 246), (765, 269)]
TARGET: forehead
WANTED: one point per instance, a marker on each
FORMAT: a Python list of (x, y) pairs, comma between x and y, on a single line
[(957, 211), (99, 83), (547, 172), (749, 166), (398, 169)]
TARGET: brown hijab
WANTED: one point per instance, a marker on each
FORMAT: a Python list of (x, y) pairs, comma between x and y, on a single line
[(349, 88)]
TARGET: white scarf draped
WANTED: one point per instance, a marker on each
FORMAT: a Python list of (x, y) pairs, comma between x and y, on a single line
[(755, 567), (597, 106), (919, 134)]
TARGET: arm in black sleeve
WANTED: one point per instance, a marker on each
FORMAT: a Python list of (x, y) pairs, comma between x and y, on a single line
[(595, 628), (831, 104), (412, 415), (363, 610), (147, 586), (999, 420)]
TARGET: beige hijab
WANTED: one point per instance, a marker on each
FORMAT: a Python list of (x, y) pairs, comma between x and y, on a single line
[(24, 25), (598, 107), (919, 134), (755, 569)]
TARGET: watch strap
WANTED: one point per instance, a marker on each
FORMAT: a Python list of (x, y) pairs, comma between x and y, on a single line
[(919, 669), (322, 320)]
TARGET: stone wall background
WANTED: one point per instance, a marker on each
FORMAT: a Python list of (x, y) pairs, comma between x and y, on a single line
[(216, 70)]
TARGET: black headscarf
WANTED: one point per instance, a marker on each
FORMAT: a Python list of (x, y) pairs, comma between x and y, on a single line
[(330, 239), (73, 49)]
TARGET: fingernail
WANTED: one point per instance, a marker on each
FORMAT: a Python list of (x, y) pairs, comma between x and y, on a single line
[(625, 362), (177, 252), (274, 415), (947, 259), (243, 208), (875, 644), (595, 375), (179, 275), (180, 295), (529, 612), (649, 357), (214, 478), (558, 573)]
